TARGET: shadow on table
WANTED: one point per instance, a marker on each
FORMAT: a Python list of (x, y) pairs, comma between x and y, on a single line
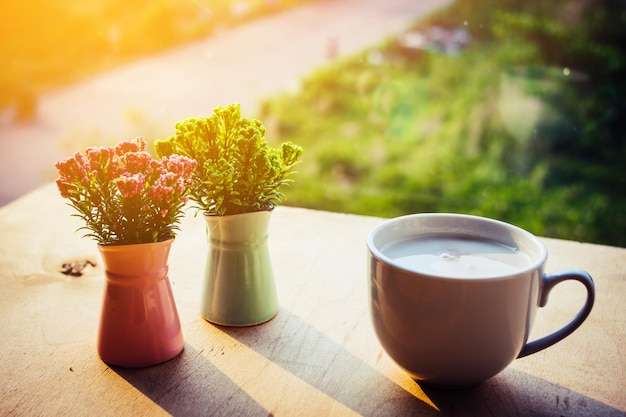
[(326, 365), (189, 385), (517, 393)]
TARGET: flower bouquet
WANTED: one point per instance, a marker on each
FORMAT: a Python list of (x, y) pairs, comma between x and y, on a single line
[(123, 195), (237, 185), (238, 171), (131, 204)]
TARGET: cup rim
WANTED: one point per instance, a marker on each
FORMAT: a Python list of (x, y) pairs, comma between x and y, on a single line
[(536, 263)]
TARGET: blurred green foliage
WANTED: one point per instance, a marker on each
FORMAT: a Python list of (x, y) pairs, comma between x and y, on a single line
[(525, 125)]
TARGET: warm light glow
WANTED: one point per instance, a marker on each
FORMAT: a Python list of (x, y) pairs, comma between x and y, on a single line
[(281, 391), (389, 368), (273, 387), (48, 44)]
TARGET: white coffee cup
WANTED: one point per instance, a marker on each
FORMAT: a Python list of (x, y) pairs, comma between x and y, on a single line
[(453, 297)]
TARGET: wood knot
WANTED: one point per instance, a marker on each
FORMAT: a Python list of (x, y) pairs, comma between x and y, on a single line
[(75, 268)]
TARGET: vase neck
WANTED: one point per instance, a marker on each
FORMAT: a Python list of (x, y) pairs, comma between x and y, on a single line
[(239, 228), (238, 245), (130, 262), (134, 280)]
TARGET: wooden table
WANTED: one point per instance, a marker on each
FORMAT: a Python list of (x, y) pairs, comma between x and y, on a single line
[(318, 357)]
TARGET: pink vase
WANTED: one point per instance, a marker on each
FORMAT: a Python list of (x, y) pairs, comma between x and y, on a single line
[(139, 323)]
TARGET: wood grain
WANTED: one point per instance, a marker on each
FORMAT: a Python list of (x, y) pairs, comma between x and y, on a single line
[(318, 357)]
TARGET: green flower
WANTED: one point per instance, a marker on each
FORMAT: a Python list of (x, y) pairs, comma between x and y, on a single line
[(238, 172)]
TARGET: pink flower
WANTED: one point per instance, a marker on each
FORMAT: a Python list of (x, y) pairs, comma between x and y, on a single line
[(136, 145), (64, 187), (100, 182), (101, 160), (156, 166), (181, 165), (99, 157), (137, 162), (164, 188), (180, 185), (74, 169), (130, 185)]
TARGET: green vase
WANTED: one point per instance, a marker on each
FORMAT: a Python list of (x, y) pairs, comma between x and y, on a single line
[(239, 288)]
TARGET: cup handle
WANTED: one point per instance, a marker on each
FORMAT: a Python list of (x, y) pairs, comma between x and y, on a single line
[(549, 282)]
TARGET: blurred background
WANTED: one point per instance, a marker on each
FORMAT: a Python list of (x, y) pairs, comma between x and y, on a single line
[(506, 109)]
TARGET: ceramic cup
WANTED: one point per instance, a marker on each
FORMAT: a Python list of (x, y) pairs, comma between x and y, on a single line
[(453, 297)]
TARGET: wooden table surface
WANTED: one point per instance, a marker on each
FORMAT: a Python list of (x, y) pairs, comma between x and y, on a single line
[(319, 356)]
